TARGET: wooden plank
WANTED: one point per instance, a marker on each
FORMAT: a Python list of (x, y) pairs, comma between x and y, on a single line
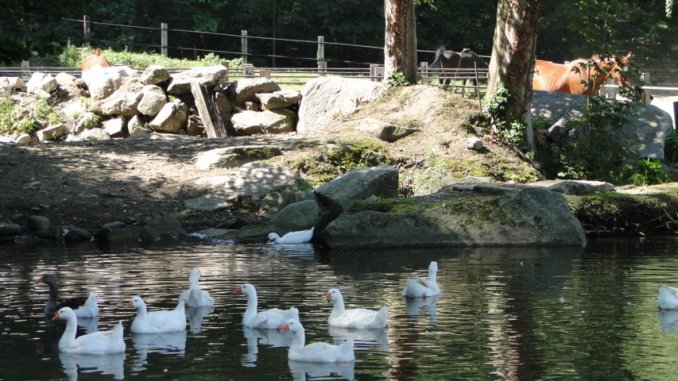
[(214, 125)]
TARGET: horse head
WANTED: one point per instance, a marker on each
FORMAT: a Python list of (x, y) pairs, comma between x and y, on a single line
[(612, 67), (94, 60)]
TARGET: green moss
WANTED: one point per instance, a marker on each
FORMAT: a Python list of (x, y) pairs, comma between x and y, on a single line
[(345, 156), (613, 212)]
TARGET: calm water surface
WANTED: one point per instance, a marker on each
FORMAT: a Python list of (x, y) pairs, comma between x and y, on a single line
[(515, 314)]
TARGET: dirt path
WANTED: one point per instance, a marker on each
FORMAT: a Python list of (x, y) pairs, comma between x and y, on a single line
[(88, 184)]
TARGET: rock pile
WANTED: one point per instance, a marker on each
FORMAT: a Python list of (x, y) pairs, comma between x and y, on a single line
[(118, 102)]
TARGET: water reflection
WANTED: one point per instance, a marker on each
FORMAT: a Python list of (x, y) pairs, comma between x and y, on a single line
[(500, 315), (302, 371), (362, 338), (196, 315), (268, 337), (89, 324), (110, 364), (419, 306), (170, 343), (668, 321)]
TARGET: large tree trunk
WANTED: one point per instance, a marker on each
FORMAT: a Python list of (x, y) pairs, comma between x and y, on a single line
[(512, 61), (400, 39)]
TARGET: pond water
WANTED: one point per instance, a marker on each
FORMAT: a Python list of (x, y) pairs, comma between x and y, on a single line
[(504, 313)]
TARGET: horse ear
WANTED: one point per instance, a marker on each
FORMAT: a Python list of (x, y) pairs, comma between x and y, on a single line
[(627, 58)]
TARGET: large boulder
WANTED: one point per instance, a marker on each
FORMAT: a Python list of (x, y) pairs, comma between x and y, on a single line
[(212, 77), (528, 217), (326, 98), (268, 122), (647, 127), (245, 89), (358, 184), (41, 84), (171, 118), (103, 81)]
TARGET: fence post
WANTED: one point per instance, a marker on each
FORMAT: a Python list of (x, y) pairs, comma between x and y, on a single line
[(320, 56), (243, 46), (163, 39), (376, 72), (423, 69), (85, 29), (248, 70)]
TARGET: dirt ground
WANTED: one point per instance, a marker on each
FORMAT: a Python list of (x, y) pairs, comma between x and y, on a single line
[(87, 184)]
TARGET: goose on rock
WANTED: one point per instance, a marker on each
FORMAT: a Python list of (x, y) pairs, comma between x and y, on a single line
[(157, 321), (266, 319), (417, 287), (301, 236), (96, 343), (359, 318), (195, 296), (667, 298), (54, 304), (315, 352)]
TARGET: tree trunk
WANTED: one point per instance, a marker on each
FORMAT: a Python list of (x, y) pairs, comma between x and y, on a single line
[(400, 39), (512, 61)]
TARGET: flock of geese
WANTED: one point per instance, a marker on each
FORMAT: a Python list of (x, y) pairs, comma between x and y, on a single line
[(174, 320)]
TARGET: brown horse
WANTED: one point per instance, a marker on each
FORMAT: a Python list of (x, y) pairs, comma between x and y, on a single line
[(581, 76), (94, 60)]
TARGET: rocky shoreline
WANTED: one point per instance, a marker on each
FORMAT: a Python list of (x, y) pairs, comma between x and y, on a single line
[(365, 166)]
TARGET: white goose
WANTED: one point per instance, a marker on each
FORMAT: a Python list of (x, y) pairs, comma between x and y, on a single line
[(301, 236), (96, 343), (417, 287), (157, 321), (90, 309), (315, 352), (667, 298), (359, 318), (267, 319), (195, 296)]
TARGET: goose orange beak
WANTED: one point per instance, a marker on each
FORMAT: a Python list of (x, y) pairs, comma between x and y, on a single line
[(284, 328)]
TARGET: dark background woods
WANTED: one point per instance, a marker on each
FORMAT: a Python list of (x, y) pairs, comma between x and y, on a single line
[(568, 29)]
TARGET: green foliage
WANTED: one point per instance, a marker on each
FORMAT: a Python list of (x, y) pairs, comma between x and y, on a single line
[(512, 132), (26, 126), (596, 149), (650, 172), (397, 78), (71, 56), (6, 116)]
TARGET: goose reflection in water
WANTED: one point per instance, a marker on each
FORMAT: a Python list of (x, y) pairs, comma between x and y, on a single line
[(196, 315), (110, 364), (668, 321), (170, 343), (417, 306), (361, 337), (267, 337), (301, 370)]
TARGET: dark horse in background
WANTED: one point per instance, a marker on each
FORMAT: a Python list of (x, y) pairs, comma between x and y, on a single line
[(459, 64)]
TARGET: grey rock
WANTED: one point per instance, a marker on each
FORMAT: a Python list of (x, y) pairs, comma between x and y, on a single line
[(270, 122), (36, 223), (357, 185), (326, 98), (529, 217), (245, 89), (154, 74)]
